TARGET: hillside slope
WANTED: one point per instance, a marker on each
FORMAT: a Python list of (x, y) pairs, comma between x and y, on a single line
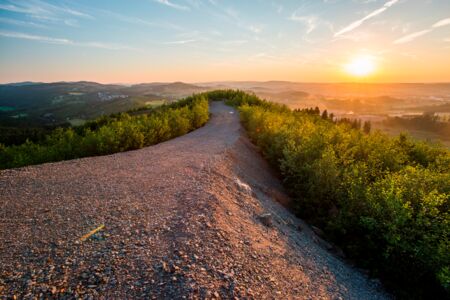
[(179, 220)]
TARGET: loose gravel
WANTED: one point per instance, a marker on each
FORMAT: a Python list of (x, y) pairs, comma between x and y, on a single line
[(197, 217)]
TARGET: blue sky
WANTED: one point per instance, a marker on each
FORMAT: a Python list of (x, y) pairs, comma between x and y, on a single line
[(203, 40)]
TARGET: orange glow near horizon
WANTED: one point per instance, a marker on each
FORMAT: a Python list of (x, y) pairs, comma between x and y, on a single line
[(385, 41), (387, 69)]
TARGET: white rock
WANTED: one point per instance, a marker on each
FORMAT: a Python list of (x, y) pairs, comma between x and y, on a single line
[(243, 186)]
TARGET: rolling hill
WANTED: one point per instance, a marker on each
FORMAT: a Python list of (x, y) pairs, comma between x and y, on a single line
[(40, 104)]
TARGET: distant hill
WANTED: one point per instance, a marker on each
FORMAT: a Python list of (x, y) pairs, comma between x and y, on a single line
[(399, 90), (36, 104), (27, 104), (443, 108), (22, 83), (175, 89)]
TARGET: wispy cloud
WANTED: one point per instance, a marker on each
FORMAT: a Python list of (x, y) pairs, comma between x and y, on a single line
[(234, 42), (356, 36), (180, 42), (45, 12), (25, 36), (16, 9), (255, 28), (264, 56), (441, 23), (233, 17), (173, 5), (414, 35), (38, 8), (359, 22), (21, 23), (279, 8), (195, 3), (64, 41), (187, 37), (311, 22), (141, 22)]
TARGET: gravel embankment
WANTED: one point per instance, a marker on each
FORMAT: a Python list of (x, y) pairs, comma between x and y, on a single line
[(181, 221)]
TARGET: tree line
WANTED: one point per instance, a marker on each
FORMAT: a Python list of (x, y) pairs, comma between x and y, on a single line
[(427, 121)]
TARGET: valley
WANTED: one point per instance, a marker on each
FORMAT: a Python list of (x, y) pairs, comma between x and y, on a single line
[(73, 103), (26, 105)]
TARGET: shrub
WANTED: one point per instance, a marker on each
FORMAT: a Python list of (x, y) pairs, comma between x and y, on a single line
[(384, 200), (111, 134)]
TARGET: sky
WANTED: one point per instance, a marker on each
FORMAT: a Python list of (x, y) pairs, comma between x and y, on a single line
[(131, 41)]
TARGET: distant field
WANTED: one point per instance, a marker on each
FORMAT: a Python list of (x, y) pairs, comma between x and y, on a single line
[(421, 135), (372, 108), (155, 102), (6, 108), (61, 103), (77, 122), (74, 103)]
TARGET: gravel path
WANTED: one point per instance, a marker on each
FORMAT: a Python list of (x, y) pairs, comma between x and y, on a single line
[(182, 221)]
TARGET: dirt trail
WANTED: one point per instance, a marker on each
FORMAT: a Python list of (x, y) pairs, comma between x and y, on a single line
[(181, 221)]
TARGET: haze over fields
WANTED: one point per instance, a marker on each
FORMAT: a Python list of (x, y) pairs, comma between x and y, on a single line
[(74, 103)]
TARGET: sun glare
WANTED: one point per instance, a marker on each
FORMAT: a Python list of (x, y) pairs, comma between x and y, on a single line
[(360, 66)]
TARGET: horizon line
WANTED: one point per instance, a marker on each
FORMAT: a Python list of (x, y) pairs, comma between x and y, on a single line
[(222, 81)]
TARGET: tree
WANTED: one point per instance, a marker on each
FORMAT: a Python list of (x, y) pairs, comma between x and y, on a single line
[(331, 117), (367, 126), (316, 110)]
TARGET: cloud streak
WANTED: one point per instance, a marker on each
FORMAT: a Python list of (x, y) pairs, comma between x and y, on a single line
[(311, 22), (172, 5), (45, 13), (42, 10), (141, 22), (412, 36), (441, 23), (180, 42), (359, 22), (21, 23), (63, 41)]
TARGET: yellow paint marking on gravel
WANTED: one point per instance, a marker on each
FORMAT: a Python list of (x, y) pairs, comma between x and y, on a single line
[(86, 236)]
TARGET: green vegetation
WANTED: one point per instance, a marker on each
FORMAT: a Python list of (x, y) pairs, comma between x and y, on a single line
[(110, 134), (384, 200), (19, 135), (7, 108), (54, 104), (427, 122)]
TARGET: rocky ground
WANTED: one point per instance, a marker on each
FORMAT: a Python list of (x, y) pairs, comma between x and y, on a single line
[(197, 217)]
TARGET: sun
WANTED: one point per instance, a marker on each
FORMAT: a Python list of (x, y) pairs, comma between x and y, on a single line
[(361, 66)]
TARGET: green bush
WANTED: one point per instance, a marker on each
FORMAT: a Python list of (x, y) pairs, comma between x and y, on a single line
[(384, 200), (111, 134)]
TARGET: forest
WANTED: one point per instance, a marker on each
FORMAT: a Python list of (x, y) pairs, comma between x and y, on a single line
[(384, 200), (427, 121), (109, 134)]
